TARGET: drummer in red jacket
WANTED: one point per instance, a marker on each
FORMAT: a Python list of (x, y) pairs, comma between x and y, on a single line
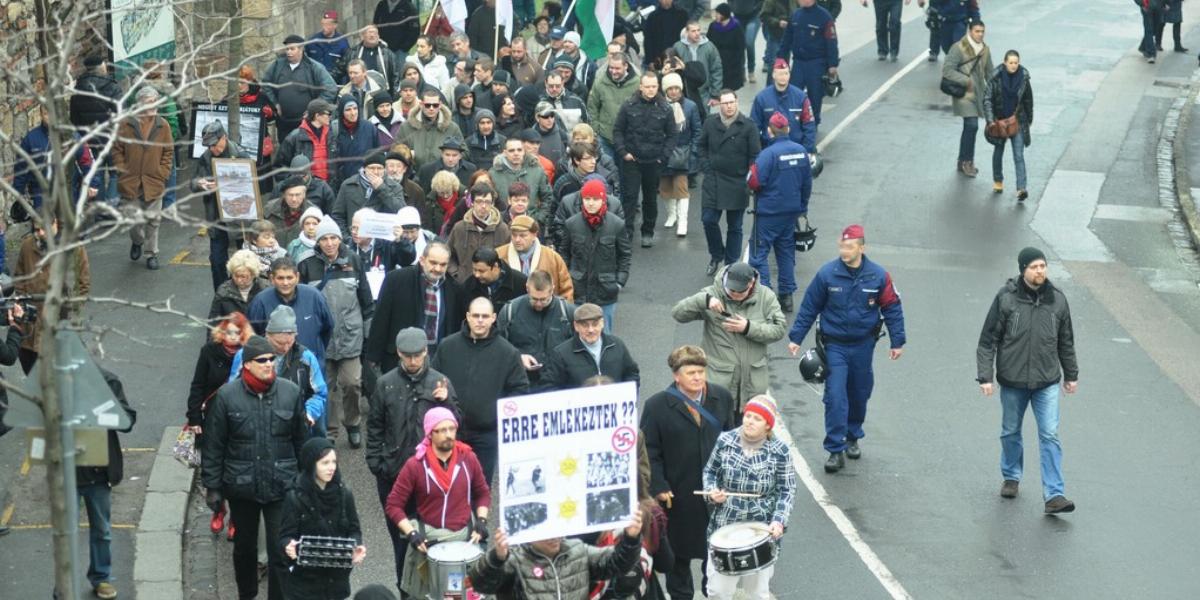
[(446, 481), (750, 480)]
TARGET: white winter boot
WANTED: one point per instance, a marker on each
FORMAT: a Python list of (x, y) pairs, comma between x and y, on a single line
[(682, 210), (670, 209)]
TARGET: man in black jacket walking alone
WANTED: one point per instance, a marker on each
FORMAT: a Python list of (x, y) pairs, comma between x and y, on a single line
[(1028, 338), (643, 137)]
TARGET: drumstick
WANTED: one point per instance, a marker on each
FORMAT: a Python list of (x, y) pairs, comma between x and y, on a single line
[(730, 494)]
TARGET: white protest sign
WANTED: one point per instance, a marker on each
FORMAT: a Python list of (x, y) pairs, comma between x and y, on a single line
[(568, 461), (378, 225)]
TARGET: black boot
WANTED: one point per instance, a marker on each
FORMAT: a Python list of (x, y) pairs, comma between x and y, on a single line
[(853, 452), (835, 463), (785, 303), (713, 265), (354, 435)]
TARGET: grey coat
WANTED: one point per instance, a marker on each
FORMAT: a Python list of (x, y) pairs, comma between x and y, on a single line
[(389, 198), (962, 67), (726, 154), (530, 575), (344, 285), (737, 361)]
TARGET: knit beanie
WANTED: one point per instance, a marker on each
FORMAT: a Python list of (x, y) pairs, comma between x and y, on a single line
[(311, 212), (282, 320), (762, 406), (1028, 255), (255, 347), (436, 415), (594, 189), (327, 227)]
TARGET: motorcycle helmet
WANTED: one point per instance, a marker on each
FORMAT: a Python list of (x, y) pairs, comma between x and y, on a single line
[(833, 85), (817, 163), (806, 235), (812, 366)]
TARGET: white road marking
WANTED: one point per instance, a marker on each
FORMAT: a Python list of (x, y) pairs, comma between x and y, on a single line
[(872, 99), (840, 520)]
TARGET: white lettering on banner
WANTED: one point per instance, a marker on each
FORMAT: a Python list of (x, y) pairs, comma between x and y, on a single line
[(567, 461)]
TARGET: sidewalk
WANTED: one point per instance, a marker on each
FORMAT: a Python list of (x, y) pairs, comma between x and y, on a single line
[(1186, 154)]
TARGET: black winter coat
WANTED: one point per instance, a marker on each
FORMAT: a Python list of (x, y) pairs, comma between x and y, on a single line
[(252, 441), (678, 450), (402, 304), (993, 100), (510, 285), (228, 300), (212, 372), (726, 154), (482, 371), (536, 333), (86, 109), (661, 31), (1028, 337), (570, 205), (569, 364), (731, 45), (644, 128), (115, 471), (303, 515), (320, 194), (398, 28), (598, 259), (394, 424)]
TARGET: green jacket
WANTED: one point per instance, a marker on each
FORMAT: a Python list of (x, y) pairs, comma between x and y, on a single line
[(606, 98), (736, 361), (774, 11), (425, 137), (541, 197)]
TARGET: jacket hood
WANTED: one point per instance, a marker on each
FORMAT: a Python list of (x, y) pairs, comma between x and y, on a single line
[(1045, 293), (683, 38), (341, 105), (461, 90)]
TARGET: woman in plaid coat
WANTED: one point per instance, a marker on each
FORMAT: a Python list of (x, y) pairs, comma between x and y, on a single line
[(749, 460)]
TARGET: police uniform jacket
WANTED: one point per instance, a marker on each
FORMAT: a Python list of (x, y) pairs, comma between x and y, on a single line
[(810, 35), (850, 305), (779, 171)]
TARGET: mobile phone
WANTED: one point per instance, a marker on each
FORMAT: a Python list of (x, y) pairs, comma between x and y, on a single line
[(726, 314)]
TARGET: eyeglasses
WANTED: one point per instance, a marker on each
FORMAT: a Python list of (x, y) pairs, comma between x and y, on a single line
[(264, 360), (483, 201), (549, 116)]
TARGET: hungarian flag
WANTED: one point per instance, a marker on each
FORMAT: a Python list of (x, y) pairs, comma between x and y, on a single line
[(596, 22)]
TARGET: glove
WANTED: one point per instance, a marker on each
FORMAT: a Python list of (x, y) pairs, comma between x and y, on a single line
[(480, 527), (415, 538), (214, 500)]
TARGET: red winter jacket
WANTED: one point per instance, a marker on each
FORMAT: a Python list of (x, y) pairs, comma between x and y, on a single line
[(437, 507)]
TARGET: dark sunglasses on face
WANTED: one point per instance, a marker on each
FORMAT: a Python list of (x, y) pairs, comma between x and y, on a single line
[(432, 105), (264, 360)]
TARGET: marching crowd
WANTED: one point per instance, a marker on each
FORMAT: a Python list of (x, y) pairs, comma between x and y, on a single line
[(512, 187)]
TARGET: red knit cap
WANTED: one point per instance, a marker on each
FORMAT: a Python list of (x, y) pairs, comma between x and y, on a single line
[(763, 407), (594, 189), (854, 232), (778, 121)]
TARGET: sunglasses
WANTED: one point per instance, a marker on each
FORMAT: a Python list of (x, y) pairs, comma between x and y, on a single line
[(432, 104), (264, 360), (549, 116)]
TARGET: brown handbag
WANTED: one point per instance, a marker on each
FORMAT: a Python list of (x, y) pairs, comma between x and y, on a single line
[(1004, 128)]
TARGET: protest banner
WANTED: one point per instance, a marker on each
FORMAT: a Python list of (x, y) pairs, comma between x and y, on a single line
[(381, 226), (568, 461)]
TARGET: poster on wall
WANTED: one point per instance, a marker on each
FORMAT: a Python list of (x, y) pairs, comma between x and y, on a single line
[(250, 126), (142, 30), (567, 461)]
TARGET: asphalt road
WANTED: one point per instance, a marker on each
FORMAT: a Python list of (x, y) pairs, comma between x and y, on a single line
[(922, 505)]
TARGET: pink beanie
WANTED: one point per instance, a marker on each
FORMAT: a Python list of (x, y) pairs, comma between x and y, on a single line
[(436, 415)]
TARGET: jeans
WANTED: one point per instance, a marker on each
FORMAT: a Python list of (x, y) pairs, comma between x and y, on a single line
[(1018, 150), (887, 26), (172, 181), (246, 514), (383, 486), (97, 499), (1013, 402), (966, 143), (606, 147), (524, 13), (484, 445), (778, 232), (752, 26), (728, 250), (610, 311), (640, 176), (848, 386), (1148, 47), (935, 41)]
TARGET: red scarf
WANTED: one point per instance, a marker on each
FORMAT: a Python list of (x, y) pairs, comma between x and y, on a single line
[(256, 385), (444, 475), (320, 158), (350, 126), (447, 205), (595, 220), (290, 218)]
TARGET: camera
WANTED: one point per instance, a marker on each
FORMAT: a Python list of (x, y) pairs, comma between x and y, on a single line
[(10, 300)]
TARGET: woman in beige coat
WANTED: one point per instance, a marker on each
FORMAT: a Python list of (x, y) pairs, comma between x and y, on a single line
[(969, 62)]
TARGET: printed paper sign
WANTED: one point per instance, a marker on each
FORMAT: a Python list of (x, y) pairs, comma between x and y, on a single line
[(568, 461), (380, 226)]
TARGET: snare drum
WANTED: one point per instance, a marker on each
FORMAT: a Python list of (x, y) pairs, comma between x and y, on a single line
[(448, 563), (740, 548)]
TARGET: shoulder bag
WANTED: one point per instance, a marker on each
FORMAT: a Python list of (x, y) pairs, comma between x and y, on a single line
[(953, 88)]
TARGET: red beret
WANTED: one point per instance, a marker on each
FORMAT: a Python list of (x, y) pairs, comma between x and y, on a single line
[(330, 14), (781, 64), (594, 189), (778, 121), (854, 232)]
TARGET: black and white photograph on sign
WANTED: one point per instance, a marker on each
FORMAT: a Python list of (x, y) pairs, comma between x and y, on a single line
[(605, 469), (237, 189), (519, 517), (607, 507), (249, 126), (525, 479)]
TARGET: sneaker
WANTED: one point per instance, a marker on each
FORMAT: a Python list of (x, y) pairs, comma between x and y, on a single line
[(1150, 60), (217, 523), (997, 187), (882, 57), (932, 57), (1059, 504), (1009, 488), (893, 58), (135, 251), (835, 463), (853, 452), (105, 589), (969, 168)]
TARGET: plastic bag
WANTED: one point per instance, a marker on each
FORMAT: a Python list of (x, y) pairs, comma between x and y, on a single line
[(185, 450)]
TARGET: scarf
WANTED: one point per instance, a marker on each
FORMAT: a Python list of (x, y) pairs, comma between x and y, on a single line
[(729, 25), (256, 385), (447, 205), (478, 222), (386, 122), (442, 475), (595, 220), (1010, 88), (729, 121), (977, 47), (306, 241), (677, 109), (350, 127), (290, 218)]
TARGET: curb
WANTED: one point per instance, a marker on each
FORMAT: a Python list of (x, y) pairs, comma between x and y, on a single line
[(1173, 165), (158, 568)]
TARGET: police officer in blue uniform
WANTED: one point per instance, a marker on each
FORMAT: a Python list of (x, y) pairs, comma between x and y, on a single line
[(955, 14), (783, 97), (854, 298), (781, 178), (810, 41)]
